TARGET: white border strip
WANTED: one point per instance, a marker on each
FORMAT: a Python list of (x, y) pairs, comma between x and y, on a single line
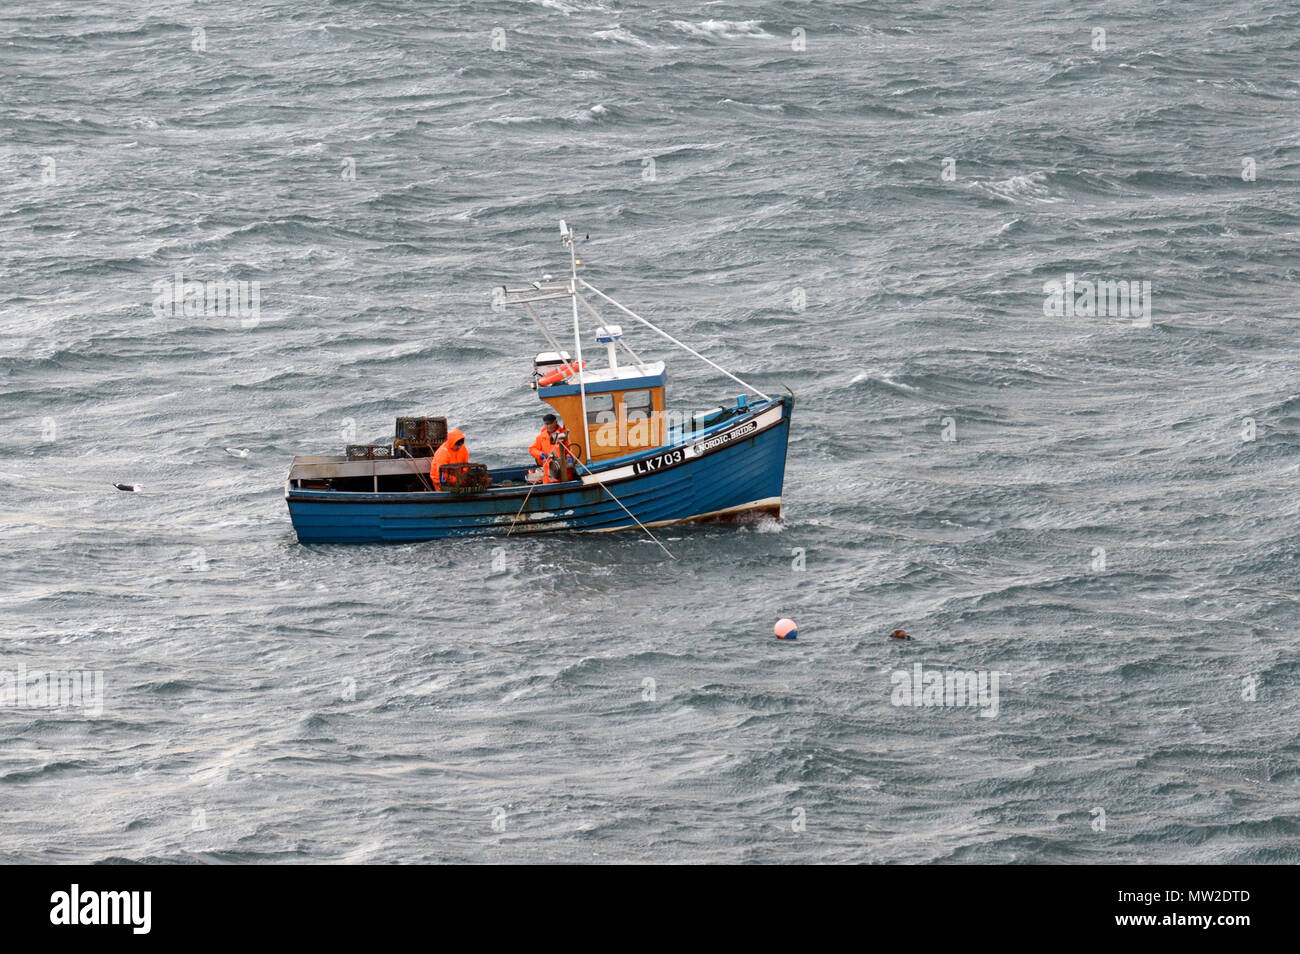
[(765, 504), (690, 451)]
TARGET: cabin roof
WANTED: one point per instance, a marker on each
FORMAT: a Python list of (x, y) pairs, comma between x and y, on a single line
[(604, 380)]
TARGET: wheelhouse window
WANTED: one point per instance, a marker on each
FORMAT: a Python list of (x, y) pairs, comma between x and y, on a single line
[(600, 409), (637, 405)]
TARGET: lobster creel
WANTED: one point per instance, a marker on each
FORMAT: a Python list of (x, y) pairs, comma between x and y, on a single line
[(421, 430), (463, 478), (369, 452)]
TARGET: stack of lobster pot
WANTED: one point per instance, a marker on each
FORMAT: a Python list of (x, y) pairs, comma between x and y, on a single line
[(419, 436), (369, 452)]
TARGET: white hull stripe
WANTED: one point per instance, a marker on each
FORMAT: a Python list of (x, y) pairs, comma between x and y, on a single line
[(765, 504), (680, 455)]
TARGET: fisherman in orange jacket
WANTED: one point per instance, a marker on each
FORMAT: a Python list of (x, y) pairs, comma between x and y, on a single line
[(452, 451), (544, 448)]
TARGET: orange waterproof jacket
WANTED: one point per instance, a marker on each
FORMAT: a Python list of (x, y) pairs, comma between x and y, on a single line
[(448, 453), (543, 445)]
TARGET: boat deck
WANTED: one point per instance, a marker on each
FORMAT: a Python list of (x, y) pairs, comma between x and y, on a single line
[(410, 474)]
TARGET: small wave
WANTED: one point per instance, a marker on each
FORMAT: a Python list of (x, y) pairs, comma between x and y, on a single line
[(762, 107), (723, 29), (1017, 189), (568, 8), (619, 35), (46, 770)]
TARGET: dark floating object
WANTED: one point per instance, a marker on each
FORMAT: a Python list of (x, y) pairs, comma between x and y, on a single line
[(130, 488), (899, 634)]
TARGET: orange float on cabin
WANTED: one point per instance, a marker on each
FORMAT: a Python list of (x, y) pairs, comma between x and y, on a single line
[(624, 403), (560, 373)]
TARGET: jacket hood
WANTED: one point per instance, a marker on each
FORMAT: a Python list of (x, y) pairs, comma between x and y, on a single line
[(454, 435)]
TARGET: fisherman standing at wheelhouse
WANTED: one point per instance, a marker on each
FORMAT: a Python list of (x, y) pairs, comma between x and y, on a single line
[(545, 448)]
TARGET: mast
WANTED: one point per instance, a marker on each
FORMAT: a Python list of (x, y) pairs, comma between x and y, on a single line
[(566, 234)]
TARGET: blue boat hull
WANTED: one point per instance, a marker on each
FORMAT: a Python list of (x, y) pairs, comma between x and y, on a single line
[(736, 468)]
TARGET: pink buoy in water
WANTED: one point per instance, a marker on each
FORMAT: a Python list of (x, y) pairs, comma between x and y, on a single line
[(786, 629)]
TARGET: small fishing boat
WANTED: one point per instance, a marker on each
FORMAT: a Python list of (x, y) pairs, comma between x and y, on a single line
[(638, 464)]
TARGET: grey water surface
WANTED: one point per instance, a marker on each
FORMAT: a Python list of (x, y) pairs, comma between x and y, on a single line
[(867, 203)]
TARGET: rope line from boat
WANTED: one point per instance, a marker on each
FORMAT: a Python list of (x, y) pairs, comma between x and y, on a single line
[(685, 347), (600, 322), (545, 332), (567, 448), (513, 522), (626, 511)]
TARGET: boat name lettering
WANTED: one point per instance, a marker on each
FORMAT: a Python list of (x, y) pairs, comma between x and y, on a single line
[(744, 429), (658, 463)]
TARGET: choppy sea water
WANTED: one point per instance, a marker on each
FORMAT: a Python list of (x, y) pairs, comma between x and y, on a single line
[(1103, 513)]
